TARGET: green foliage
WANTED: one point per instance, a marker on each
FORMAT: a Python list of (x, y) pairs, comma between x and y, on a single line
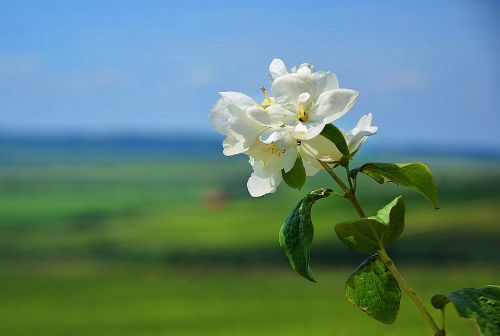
[(480, 304), (361, 235), (416, 176), (367, 235), (297, 233), (374, 290), (296, 177), (336, 136)]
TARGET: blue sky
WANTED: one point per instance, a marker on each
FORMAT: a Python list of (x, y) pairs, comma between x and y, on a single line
[(427, 70)]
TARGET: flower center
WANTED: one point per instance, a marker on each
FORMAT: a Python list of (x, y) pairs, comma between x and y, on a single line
[(302, 113), (275, 150)]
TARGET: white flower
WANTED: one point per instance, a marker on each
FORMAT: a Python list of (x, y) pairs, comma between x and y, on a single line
[(276, 151), (229, 116), (262, 182), (305, 100), (273, 134), (268, 159), (320, 148), (267, 174), (360, 133)]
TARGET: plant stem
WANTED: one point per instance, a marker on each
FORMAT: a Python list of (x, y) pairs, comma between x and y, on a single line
[(351, 196), (349, 192), (335, 177), (407, 288)]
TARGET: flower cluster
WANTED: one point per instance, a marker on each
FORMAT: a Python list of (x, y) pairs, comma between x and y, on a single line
[(286, 127)]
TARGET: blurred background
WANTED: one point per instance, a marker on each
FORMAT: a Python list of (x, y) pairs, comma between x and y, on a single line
[(119, 214)]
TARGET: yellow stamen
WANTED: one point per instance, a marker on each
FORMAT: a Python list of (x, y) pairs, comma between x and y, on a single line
[(264, 91), (275, 150), (302, 113)]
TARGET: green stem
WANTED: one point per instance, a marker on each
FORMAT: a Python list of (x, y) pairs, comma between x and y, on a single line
[(351, 196), (335, 177), (349, 179), (407, 288), (349, 192)]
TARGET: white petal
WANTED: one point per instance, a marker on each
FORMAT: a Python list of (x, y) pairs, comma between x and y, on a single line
[(332, 105), (365, 121), (271, 135), (240, 131), (306, 68), (310, 170), (289, 158), (274, 155), (277, 69), (280, 136), (273, 115), (293, 85), (239, 99), (241, 125), (357, 141), (220, 116), (233, 144), (359, 134), (307, 130), (262, 152), (287, 102), (303, 98), (325, 81), (319, 148), (262, 182), (260, 115)]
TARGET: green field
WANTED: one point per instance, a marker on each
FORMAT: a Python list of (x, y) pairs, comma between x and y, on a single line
[(177, 247), (103, 299)]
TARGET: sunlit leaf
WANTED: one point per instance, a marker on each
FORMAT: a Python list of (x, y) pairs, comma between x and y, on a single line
[(374, 290), (366, 235), (416, 176)]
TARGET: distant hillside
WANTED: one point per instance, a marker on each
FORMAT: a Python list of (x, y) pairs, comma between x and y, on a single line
[(22, 149)]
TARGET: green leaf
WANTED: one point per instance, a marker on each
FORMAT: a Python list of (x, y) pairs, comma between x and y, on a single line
[(362, 235), (366, 235), (393, 218), (374, 290), (296, 177), (416, 176), (480, 304), (297, 233), (378, 178), (336, 136)]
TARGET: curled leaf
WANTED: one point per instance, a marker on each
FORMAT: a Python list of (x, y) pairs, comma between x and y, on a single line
[(297, 233)]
